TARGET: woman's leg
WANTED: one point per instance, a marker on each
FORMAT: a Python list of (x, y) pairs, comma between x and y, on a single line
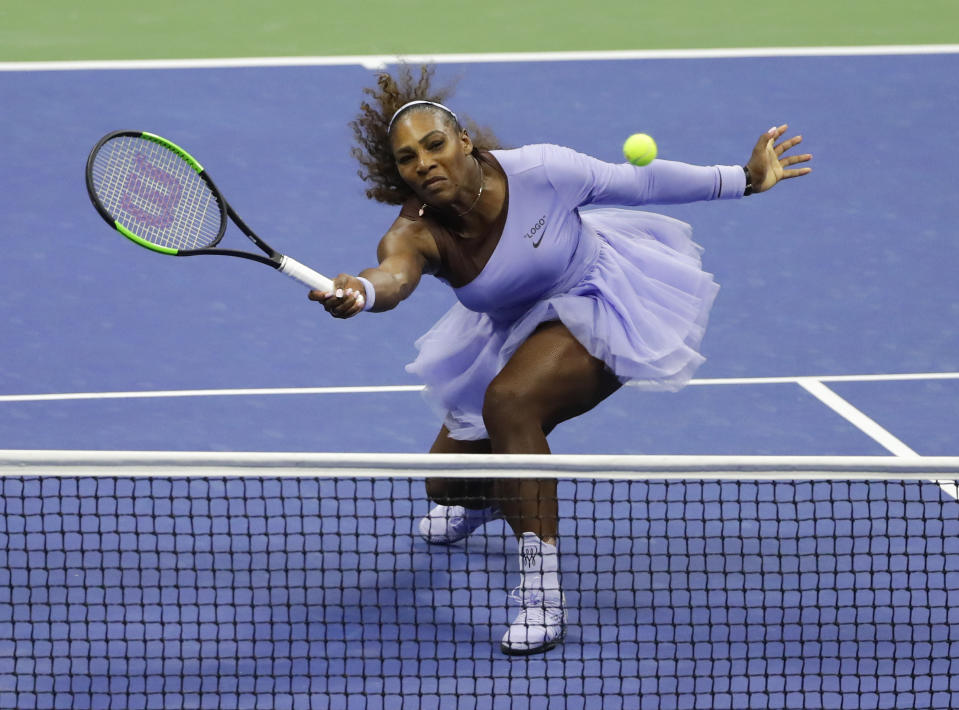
[(551, 378), (463, 504), (467, 492)]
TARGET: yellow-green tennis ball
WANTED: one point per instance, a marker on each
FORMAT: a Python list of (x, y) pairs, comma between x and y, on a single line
[(640, 149)]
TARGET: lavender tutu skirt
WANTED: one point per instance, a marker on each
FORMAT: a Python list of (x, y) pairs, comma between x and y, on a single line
[(641, 308)]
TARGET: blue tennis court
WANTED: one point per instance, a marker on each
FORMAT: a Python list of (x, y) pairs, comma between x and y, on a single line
[(846, 272), (835, 334)]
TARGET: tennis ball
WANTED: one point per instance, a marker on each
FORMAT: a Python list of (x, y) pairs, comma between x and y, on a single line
[(640, 149)]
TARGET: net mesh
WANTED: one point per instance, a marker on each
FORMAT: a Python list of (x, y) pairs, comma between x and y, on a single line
[(257, 590), (155, 194)]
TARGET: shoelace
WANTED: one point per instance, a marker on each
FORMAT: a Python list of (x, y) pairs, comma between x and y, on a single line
[(536, 608)]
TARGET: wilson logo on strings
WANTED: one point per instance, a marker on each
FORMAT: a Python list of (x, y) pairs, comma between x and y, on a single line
[(151, 194)]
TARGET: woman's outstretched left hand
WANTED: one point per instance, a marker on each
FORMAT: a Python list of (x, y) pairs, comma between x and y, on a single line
[(767, 166)]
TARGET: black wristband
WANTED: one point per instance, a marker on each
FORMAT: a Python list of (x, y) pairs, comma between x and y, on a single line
[(749, 182)]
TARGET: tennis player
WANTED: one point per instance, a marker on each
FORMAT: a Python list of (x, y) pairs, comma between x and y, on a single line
[(557, 306)]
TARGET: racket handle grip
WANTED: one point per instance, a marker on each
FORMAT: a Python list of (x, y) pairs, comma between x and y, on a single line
[(304, 274)]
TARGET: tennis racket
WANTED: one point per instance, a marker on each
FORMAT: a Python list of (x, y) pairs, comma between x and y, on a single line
[(157, 195)]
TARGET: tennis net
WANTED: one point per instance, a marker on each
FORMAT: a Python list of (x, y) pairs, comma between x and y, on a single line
[(145, 580)]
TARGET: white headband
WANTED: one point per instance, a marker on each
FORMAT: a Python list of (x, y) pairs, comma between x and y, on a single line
[(405, 106)]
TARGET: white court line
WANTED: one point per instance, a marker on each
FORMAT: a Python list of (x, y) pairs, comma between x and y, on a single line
[(371, 61), (252, 392), (377, 389), (856, 417), (900, 377), (868, 426)]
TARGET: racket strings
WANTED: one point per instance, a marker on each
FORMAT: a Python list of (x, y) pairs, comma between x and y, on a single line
[(155, 194)]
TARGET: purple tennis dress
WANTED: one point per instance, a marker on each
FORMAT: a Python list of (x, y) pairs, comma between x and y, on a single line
[(628, 285)]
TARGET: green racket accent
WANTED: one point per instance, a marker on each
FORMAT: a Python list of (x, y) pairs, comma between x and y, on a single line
[(143, 242), (175, 148)]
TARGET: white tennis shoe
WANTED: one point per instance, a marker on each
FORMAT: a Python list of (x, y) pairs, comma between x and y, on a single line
[(447, 524), (541, 622)]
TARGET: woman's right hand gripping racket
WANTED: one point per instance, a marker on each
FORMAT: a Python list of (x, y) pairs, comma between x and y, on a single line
[(156, 194)]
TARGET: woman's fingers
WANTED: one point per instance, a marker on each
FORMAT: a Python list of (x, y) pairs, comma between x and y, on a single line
[(341, 302)]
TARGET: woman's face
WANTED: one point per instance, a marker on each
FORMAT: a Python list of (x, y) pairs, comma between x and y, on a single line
[(433, 158)]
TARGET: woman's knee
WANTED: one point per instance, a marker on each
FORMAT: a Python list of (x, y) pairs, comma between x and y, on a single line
[(511, 403)]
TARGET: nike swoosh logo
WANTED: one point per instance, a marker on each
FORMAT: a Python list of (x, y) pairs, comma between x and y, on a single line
[(538, 241)]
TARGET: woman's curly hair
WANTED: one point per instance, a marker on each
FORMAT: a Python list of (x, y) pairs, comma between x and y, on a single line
[(370, 129)]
